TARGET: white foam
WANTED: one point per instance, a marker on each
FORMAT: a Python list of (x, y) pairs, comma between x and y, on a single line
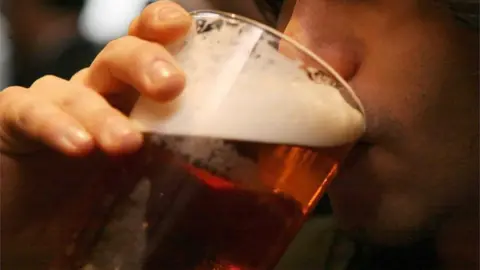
[(262, 96)]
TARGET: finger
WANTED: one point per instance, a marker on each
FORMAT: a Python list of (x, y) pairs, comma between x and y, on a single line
[(163, 22), (106, 84), (146, 66), (80, 75), (22, 113), (121, 100), (112, 130), (133, 27)]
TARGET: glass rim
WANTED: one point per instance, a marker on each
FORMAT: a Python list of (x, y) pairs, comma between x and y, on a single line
[(293, 42)]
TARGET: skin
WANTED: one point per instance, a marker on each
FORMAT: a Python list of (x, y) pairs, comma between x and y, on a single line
[(413, 125), (414, 174)]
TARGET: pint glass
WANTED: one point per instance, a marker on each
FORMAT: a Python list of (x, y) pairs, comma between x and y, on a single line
[(234, 165)]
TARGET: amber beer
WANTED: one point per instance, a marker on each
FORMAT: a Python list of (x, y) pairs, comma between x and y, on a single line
[(213, 205)]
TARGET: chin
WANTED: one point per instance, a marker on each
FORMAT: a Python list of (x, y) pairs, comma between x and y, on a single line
[(393, 220), (375, 213), (384, 237)]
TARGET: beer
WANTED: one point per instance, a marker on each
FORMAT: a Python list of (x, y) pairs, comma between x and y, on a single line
[(225, 204), (208, 221), (214, 217)]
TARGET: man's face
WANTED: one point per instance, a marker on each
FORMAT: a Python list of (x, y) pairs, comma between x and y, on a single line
[(416, 71)]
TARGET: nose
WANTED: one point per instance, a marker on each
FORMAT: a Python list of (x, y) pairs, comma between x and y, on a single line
[(342, 55)]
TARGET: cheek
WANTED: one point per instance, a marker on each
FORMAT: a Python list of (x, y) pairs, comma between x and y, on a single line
[(358, 190), (416, 112), (339, 52), (405, 180)]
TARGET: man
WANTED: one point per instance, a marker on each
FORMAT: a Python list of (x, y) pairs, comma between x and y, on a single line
[(410, 184), (45, 39)]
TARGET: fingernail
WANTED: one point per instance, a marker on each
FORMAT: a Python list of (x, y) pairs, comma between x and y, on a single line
[(119, 133), (165, 76), (77, 138), (171, 13), (160, 70)]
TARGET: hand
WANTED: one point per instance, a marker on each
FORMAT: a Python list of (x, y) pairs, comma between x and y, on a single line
[(74, 116), (53, 202)]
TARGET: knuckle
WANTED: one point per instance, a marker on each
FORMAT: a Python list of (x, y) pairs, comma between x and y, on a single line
[(44, 81), (9, 97), (37, 118), (107, 53), (21, 111), (26, 114), (69, 100), (112, 50), (118, 44), (9, 93), (80, 75), (132, 28), (23, 114), (112, 45)]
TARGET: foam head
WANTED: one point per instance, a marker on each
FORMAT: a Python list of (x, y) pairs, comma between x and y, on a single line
[(241, 87)]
